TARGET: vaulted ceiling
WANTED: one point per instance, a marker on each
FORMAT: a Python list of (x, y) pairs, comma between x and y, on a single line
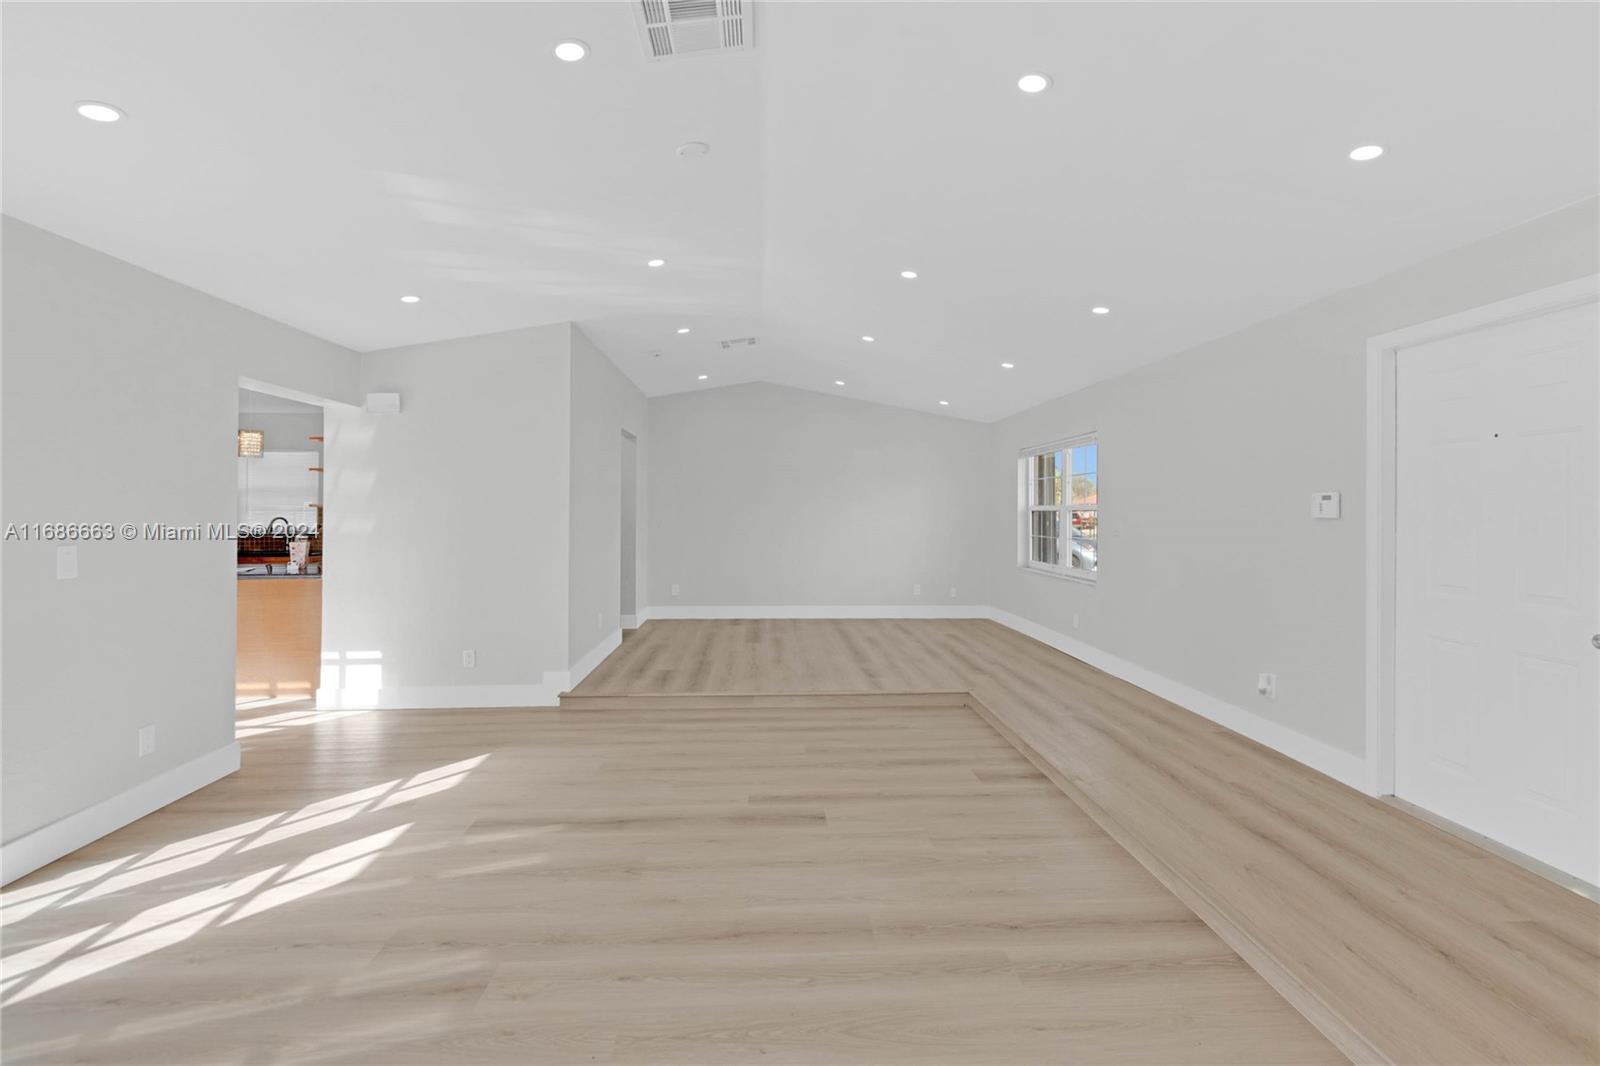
[(1188, 169)]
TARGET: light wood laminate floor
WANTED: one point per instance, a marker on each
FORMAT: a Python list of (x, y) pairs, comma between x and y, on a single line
[(1402, 942), (825, 882)]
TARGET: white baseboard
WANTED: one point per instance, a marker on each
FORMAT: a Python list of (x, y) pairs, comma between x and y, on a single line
[(442, 697), (807, 611), (48, 843), (591, 659), (630, 621), (1336, 763), (546, 693), (449, 697)]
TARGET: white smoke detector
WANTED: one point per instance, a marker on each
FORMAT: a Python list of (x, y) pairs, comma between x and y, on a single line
[(670, 28)]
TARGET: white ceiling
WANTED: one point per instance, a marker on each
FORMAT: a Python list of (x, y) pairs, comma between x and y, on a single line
[(1188, 169)]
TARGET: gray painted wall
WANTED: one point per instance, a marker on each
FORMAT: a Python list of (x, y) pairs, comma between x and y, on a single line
[(120, 405), (447, 522), (604, 403), (772, 496), (629, 507), (1212, 569), (485, 515)]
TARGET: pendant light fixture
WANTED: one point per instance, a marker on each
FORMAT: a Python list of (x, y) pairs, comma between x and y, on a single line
[(251, 441)]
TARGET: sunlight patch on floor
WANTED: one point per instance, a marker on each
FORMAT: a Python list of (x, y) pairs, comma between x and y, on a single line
[(42, 968)]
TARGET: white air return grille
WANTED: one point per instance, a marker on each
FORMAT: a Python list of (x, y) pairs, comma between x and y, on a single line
[(693, 27)]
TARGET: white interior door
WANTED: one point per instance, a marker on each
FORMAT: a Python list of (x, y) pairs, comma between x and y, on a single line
[(1497, 475)]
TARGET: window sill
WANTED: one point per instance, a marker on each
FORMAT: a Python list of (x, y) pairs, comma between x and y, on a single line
[(1059, 575)]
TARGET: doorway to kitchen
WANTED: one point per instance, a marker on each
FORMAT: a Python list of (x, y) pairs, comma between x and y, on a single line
[(279, 563)]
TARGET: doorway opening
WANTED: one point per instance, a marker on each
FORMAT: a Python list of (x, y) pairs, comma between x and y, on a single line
[(278, 564)]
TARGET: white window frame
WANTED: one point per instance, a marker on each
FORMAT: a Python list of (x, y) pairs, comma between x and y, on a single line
[(1026, 508)]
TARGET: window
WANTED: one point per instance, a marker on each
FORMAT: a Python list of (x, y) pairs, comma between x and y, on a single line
[(1060, 531), (279, 485)]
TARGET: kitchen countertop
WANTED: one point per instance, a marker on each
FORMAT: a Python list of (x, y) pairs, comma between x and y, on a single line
[(276, 572)]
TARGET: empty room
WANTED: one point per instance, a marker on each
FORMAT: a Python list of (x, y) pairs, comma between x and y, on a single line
[(728, 532)]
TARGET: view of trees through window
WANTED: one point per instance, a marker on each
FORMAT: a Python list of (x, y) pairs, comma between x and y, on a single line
[(1063, 523)]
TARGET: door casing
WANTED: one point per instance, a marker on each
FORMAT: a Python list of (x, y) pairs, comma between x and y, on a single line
[(1382, 353)]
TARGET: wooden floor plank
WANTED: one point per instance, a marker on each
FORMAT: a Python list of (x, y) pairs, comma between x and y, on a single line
[(857, 883), (1407, 943)]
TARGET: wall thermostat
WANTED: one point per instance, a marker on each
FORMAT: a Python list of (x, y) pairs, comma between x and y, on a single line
[(1325, 505)]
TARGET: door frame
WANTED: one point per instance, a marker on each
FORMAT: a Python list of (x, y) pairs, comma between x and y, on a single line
[(1382, 411)]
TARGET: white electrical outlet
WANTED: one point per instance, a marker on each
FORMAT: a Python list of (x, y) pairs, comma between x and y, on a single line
[(952, 592), (916, 590), (1074, 619), (147, 740), (674, 588), (66, 562), (469, 658), (1267, 685), (599, 619)]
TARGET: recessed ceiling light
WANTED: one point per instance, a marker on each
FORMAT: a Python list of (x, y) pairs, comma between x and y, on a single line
[(571, 51), (839, 383), (685, 329), (95, 111), (944, 403), (1033, 83), (1366, 152), (1101, 310), (1008, 366), (908, 274), (656, 263), (868, 339), (704, 376), (410, 299)]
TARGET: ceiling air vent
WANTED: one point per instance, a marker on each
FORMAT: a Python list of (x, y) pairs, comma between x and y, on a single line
[(692, 27), (738, 342)]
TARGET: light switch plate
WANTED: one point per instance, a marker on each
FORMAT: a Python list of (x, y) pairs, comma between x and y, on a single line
[(66, 562)]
